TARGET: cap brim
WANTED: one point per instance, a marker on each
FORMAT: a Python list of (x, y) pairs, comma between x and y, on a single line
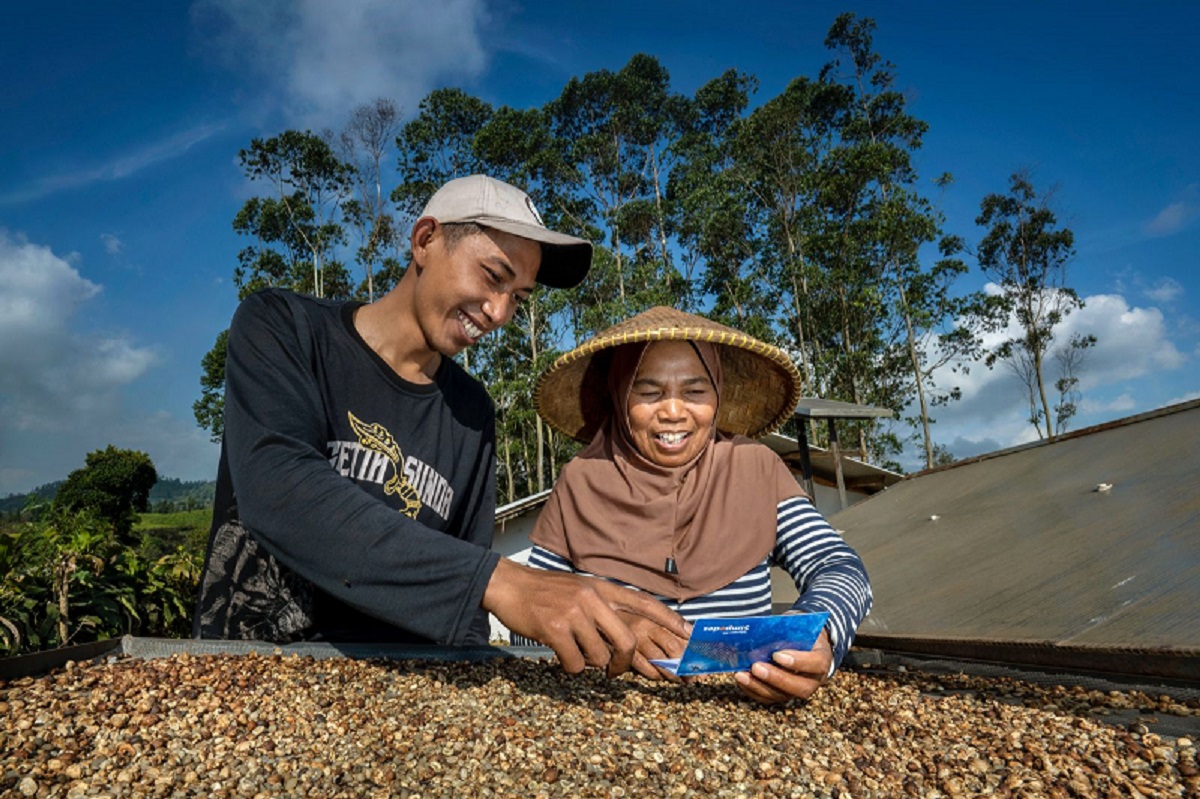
[(565, 259)]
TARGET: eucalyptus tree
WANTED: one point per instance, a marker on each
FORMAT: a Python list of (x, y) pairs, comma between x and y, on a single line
[(298, 235), (1025, 253), (299, 227), (891, 303), (436, 146), (614, 128), (781, 149), (717, 223), (363, 144)]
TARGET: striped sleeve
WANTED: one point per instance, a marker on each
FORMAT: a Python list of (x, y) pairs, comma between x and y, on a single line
[(545, 559), (829, 574)]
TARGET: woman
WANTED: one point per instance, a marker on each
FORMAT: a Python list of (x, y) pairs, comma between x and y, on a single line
[(673, 497)]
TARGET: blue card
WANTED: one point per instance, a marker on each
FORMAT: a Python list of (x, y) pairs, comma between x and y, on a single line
[(719, 645)]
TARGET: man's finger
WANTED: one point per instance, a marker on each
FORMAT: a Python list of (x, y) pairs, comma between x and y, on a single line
[(621, 598), (622, 642), (567, 649)]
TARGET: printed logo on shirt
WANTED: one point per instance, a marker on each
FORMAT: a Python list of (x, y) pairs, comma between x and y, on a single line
[(376, 455)]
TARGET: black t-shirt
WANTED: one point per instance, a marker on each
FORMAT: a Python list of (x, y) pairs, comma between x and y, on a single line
[(369, 498)]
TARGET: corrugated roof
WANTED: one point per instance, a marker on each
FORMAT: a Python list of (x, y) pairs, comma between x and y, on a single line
[(1088, 541)]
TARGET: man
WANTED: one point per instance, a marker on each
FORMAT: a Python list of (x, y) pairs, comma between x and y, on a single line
[(355, 495)]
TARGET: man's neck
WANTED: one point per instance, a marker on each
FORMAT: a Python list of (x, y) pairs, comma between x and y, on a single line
[(390, 328)]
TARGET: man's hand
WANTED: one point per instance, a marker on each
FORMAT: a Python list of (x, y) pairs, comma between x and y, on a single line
[(578, 617), (793, 675)]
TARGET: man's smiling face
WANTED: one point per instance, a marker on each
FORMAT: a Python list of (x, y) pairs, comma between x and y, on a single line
[(472, 285)]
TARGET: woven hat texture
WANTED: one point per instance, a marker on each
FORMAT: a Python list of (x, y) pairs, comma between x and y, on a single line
[(761, 385)]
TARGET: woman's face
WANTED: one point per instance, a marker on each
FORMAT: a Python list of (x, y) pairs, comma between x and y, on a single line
[(672, 404)]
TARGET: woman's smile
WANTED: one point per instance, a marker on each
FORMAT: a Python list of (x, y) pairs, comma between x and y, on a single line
[(672, 404)]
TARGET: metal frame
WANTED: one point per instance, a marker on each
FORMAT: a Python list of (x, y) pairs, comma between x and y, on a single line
[(810, 408)]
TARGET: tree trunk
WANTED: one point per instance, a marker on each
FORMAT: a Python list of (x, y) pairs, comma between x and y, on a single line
[(531, 309), (1041, 387), (508, 472), (62, 592), (915, 360), (662, 219)]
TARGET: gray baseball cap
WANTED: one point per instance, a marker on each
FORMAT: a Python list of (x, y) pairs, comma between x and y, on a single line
[(495, 204)]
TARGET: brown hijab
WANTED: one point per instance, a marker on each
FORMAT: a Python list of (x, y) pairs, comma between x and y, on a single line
[(678, 532)]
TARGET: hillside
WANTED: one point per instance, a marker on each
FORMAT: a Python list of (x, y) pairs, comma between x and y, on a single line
[(168, 494)]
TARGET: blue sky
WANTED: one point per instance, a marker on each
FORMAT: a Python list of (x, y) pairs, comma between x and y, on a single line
[(121, 125)]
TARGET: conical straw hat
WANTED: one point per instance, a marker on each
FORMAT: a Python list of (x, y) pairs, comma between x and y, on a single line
[(761, 385)]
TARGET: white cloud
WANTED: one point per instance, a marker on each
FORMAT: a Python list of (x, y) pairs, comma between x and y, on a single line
[(1132, 344), (1187, 397), (1117, 406), (1176, 216), (1167, 289), (63, 390), (323, 59), (49, 373), (112, 245), (120, 166)]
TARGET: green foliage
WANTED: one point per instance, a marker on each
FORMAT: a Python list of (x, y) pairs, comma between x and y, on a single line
[(170, 494), (801, 219), (113, 486), (210, 408), (70, 579), (87, 567), (163, 533), (24, 506), (1026, 254)]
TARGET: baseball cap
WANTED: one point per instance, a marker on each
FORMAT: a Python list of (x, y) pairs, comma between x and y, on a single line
[(495, 204)]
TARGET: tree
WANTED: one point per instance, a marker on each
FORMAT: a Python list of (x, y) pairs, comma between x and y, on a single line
[(437, 145), (1025, 253), (710, 202), (895, 299), (114, 485), (1069, 359), (362, 145), (613, 128), (210, 408), (297, 229), (780, 151)]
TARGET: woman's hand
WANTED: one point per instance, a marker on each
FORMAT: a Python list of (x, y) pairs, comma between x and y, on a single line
[(792, 675), (654, 642)]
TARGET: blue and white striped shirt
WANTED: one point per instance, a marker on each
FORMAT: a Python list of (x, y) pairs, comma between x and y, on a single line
[(828, 573)]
